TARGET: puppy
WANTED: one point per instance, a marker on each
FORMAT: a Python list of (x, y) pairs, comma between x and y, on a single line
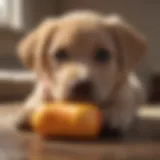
[(85, 56)]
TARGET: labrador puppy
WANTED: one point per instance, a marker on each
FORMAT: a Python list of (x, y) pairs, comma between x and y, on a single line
[(89, 57)]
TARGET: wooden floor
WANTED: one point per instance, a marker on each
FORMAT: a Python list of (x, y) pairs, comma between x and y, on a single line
[(141, 143)]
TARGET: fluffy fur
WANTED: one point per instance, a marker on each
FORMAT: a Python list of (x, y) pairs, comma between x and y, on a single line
[(115, 87)]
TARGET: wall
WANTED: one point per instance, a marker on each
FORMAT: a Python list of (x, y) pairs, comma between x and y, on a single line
[(8, 41), (33, 12), (37, 10)]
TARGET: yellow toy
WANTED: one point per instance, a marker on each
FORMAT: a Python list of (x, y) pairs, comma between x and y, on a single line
[(72, 120)]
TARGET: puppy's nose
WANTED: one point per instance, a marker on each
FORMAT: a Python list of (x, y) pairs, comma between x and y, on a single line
[(82, 89)]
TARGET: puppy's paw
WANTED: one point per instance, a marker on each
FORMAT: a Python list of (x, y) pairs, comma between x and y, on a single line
[(23, 125), (22, 122), (109, 132)]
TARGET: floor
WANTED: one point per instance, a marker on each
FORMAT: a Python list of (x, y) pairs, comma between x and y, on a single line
[(141, 143)]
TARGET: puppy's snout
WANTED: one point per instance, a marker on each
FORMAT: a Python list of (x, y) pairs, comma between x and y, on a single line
[(82, 87), (82, 90)]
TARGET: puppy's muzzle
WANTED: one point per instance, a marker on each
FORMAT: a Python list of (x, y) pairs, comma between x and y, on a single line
[(75, 83), (81, 90)]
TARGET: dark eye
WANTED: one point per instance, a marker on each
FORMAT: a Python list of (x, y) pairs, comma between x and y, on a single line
[(102, 55), (61, 55)]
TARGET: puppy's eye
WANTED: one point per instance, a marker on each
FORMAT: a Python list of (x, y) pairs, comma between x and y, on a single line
[(102, 55), (61, 55)]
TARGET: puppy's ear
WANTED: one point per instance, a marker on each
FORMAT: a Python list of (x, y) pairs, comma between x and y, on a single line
[(35, 42), (130, 44)]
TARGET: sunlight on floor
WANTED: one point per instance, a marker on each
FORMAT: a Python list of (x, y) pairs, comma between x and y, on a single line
[(150, 112)]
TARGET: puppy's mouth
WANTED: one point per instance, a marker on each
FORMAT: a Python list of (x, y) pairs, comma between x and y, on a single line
[(78, 94), (86, 97), (81, 92)]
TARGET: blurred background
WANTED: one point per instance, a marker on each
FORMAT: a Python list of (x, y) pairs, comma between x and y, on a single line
[(17, 17)]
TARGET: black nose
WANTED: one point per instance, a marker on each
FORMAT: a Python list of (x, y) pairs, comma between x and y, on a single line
[(82, 89)]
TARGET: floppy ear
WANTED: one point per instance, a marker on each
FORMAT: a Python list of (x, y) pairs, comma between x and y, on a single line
[(130, 44), (34, 44)]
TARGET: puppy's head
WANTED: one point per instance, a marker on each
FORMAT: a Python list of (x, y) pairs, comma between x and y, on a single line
[(82, 55)]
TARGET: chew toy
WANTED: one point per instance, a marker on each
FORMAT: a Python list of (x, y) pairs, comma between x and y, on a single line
[(72, 120)]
